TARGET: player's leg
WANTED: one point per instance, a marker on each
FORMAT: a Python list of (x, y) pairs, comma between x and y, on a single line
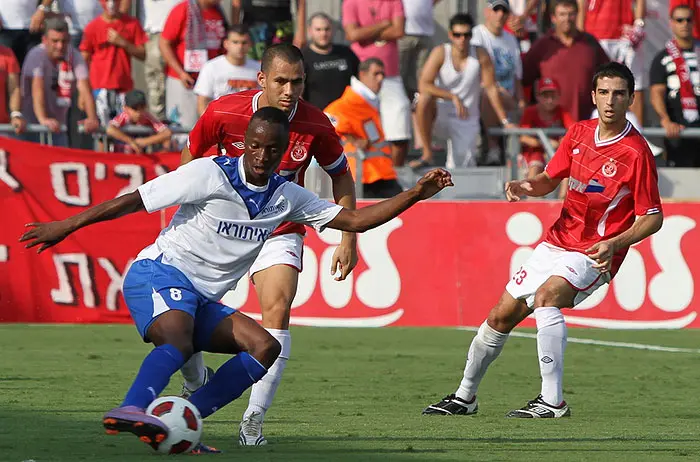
[(163, 304), (220, 329)]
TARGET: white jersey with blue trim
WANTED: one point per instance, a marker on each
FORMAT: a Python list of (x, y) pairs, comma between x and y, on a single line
[(223, 221)]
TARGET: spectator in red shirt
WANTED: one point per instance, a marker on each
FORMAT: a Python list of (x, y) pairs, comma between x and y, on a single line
[(569, 56), (545, 114), (9, 80), (109, 42), (135, 113), (192, 35)]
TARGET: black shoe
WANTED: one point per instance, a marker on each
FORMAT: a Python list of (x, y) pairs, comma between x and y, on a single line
[(538, 409), (452, 405)]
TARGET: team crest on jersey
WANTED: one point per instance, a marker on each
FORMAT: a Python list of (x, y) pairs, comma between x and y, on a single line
[(299, 152), (239, 145), (609, 168)]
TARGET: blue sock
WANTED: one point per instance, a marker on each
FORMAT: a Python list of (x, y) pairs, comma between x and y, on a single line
[(154, 375), (230, 381)]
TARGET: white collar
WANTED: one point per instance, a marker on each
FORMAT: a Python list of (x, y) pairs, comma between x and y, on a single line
[(255, 105), (361, 89), (612, 140), (252, 187)]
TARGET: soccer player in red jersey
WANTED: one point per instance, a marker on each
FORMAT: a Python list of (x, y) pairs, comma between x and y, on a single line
[(221, 129), (612, 179)]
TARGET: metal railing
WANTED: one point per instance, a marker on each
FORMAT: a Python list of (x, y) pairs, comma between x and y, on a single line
[(45, 135)]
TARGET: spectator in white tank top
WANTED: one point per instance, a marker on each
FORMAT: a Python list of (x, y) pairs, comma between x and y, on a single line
[(450, 96)]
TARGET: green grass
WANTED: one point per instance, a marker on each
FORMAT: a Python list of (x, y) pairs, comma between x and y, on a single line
[(356, 394)]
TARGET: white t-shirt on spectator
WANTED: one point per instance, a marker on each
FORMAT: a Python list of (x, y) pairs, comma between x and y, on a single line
[(79, 13), (154, 13), (505, 55), (419, 17), (17, 14), (219, 77)]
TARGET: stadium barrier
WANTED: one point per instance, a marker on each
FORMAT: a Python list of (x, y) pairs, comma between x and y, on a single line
[(440, 264)]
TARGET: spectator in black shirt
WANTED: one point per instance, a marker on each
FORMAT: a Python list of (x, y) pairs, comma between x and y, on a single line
[(328, 66)]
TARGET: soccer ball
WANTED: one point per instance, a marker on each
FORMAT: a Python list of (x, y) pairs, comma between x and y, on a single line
[(183, 421)]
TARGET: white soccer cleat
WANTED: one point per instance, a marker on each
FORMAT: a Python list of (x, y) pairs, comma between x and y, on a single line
[(186, 392), (539, 409), (250, 431)]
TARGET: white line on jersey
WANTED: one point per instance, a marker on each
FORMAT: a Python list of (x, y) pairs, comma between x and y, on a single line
[(590, 341)]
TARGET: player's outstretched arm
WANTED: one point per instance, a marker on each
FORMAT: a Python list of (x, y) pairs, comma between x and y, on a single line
[(366, 218), (539, 186), (50, 234)]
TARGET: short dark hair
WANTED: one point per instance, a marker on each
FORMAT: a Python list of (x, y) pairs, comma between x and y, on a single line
[(286, 51), (271, 115), (240, 29), (463, 19), (55, 23), (556, 3), (614, 69), (367, 63), (319, 14), (679, 7)]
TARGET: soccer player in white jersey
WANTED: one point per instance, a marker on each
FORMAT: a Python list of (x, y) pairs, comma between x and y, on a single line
[(228, 208), (612, 179)]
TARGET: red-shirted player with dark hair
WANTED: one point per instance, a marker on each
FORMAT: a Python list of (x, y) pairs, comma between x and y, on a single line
[(221, 129), (612, 179), (546, 113)]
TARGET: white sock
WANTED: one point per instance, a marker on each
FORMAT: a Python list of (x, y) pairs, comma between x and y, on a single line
[(194, 371), (263, 392), (485, 347), (551, 343)]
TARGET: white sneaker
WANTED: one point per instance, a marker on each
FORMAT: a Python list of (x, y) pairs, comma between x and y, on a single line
[(250, 431), (186, 391), (539, 409)]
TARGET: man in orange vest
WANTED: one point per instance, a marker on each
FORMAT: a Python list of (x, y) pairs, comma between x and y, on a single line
[(355, 116)]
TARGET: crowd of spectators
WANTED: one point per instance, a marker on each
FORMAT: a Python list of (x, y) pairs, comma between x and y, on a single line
[(69, 62)]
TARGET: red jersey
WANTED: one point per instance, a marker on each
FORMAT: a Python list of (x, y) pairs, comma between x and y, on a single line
[(147, 120), (610, 182), (175, 30), (531, 119), (222, 127), (605, 18), (110, 65), (8, 65)]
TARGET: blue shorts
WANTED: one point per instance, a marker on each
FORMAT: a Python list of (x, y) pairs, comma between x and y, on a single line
[(152, 288)]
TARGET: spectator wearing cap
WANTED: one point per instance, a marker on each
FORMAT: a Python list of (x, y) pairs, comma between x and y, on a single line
[(546, 113), (373, 27), (328, 66), (51, 73), (192, 35), (135, 113), (9, 80), (569, 56), (109, 43), (153, 15), (504, 51), (19, 30), (229, 73)]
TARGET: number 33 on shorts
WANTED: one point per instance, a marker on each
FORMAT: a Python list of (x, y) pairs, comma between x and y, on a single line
[(519, 276)]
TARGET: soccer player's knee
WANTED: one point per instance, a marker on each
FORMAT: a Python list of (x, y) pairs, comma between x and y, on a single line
[(547, 296), (266, 349)]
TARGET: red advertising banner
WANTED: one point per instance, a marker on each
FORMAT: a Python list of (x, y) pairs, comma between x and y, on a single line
[(438, 264)]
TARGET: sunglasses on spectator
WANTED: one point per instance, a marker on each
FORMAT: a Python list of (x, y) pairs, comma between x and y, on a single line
[(682, 20), (461, 34)]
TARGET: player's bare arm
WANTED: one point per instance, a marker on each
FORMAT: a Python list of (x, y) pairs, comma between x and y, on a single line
[(539, 186), (488, 82), (642, 228), (186, 156), (345, 255), (366, 218), (50, 234)]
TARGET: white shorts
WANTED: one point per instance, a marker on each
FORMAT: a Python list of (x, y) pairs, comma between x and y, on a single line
[(621, 51), (547, 261), (461, 135), (395, 110), (285, 249)]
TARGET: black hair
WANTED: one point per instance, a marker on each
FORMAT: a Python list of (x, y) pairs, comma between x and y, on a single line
[(556, 3), (461, 19), (271, 115), (613, 69), (240, 29), (286, 51)]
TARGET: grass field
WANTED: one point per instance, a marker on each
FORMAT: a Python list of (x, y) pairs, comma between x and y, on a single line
[(356, 394)]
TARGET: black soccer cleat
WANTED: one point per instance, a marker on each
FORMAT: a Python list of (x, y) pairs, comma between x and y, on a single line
[(539, 409), (452, 405)]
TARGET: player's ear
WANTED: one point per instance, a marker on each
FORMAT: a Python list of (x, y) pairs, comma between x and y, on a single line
[(261, 79), (593, 98)]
